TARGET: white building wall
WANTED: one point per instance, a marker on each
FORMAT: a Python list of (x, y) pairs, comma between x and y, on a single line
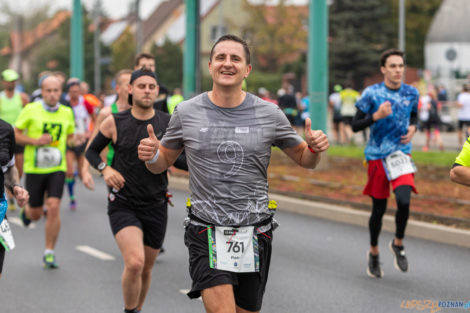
[(436, 61)]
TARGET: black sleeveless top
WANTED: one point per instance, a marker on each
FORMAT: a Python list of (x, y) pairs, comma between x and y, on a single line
[(142, 188)]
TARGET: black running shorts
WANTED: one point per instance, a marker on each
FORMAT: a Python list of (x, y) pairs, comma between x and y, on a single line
[(152, 221), (78, 150), (248, 288), (40, 184)]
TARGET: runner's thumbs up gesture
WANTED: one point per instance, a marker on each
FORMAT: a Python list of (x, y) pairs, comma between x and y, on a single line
[(315, 139), (148, 146)]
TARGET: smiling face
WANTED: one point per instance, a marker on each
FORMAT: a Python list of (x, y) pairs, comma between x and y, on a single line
[(393, 71), (228, 65)]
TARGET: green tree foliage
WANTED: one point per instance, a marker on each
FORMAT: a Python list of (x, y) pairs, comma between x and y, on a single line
[(123, 51), (358, 34), (54, 54), (169, 64), (275, 34), (418, 15)]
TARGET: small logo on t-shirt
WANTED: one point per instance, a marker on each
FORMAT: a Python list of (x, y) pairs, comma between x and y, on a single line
[(406, 102), (204, 130), (242, 130)]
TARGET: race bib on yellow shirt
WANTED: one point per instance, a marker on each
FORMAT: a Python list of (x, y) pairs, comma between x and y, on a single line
[(48, 157)]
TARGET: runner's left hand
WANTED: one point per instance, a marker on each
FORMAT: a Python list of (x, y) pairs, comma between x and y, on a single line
[(21, 196), (316, 139), (407, 138)]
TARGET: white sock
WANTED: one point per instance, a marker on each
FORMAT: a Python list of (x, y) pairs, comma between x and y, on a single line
[(47, 251)]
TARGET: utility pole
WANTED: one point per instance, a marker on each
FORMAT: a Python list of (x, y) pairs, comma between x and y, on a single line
[(318, 63), (97, 47), (401, 25), (76, 41), (191, 50), (318, 68)]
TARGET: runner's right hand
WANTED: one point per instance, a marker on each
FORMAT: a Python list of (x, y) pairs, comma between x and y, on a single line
[(45, 139), (113, 178), (148, 146), (385, 109)]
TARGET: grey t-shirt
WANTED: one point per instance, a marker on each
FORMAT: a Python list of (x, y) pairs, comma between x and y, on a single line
[(228, 152)]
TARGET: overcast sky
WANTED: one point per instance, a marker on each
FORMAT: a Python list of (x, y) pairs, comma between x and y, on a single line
[(114, 8)]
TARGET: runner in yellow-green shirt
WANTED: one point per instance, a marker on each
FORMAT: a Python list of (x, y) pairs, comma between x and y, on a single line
[(460, 172), (45, 127)]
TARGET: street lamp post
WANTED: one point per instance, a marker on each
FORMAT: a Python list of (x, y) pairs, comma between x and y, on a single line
[(76, 41)]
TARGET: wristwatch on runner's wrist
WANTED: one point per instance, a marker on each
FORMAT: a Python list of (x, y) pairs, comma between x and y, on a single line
[(101, 166)]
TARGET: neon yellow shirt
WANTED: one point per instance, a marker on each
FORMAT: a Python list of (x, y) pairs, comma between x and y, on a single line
[(10, 108), (37, 121), (348, 101), (464, 156)]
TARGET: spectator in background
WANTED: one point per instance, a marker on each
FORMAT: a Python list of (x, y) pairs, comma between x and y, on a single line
[(349, 98), (287, 103), (263, 93), (335, 106), (463, 102), (431, 107)]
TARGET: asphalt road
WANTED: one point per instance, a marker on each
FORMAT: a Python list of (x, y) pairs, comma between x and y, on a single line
[(317, 266)]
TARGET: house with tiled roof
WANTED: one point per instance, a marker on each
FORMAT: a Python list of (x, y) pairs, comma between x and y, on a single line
[(21, 45)]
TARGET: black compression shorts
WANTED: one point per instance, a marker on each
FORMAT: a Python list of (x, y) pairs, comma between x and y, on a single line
[(78, 150), (152, 221), (40, 184), (248, 288)]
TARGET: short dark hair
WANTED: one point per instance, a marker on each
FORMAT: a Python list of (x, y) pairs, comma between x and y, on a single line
[(236, 39), (390, 52), (143, 55)]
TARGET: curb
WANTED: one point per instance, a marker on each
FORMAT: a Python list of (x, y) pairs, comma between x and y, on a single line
[(422, 230)]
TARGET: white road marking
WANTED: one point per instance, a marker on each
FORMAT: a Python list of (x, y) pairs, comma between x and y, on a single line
[(15, 220), (185, 291), (95, 253)]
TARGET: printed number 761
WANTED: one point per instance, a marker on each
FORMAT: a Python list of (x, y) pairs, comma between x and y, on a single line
[(236, 247)]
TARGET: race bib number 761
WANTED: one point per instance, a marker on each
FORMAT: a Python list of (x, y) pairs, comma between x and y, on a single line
[(233, 249)]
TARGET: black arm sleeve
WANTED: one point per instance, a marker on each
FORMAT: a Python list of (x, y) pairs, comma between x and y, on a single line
[(414, 118), (7, 143), (361, 121), (180, 162), (97, 145)]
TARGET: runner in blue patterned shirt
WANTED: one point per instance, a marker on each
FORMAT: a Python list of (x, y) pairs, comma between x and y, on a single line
[(390, 110)]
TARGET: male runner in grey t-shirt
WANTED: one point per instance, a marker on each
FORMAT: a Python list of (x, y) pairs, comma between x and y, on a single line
[(227, 135)]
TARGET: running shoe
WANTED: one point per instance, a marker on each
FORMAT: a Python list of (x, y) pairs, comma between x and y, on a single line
[(49, 261), (374, 270), (400, 260), (73, 205), (26, 221)]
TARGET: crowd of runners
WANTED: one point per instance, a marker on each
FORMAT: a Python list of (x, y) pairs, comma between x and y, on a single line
[(223, 137)]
